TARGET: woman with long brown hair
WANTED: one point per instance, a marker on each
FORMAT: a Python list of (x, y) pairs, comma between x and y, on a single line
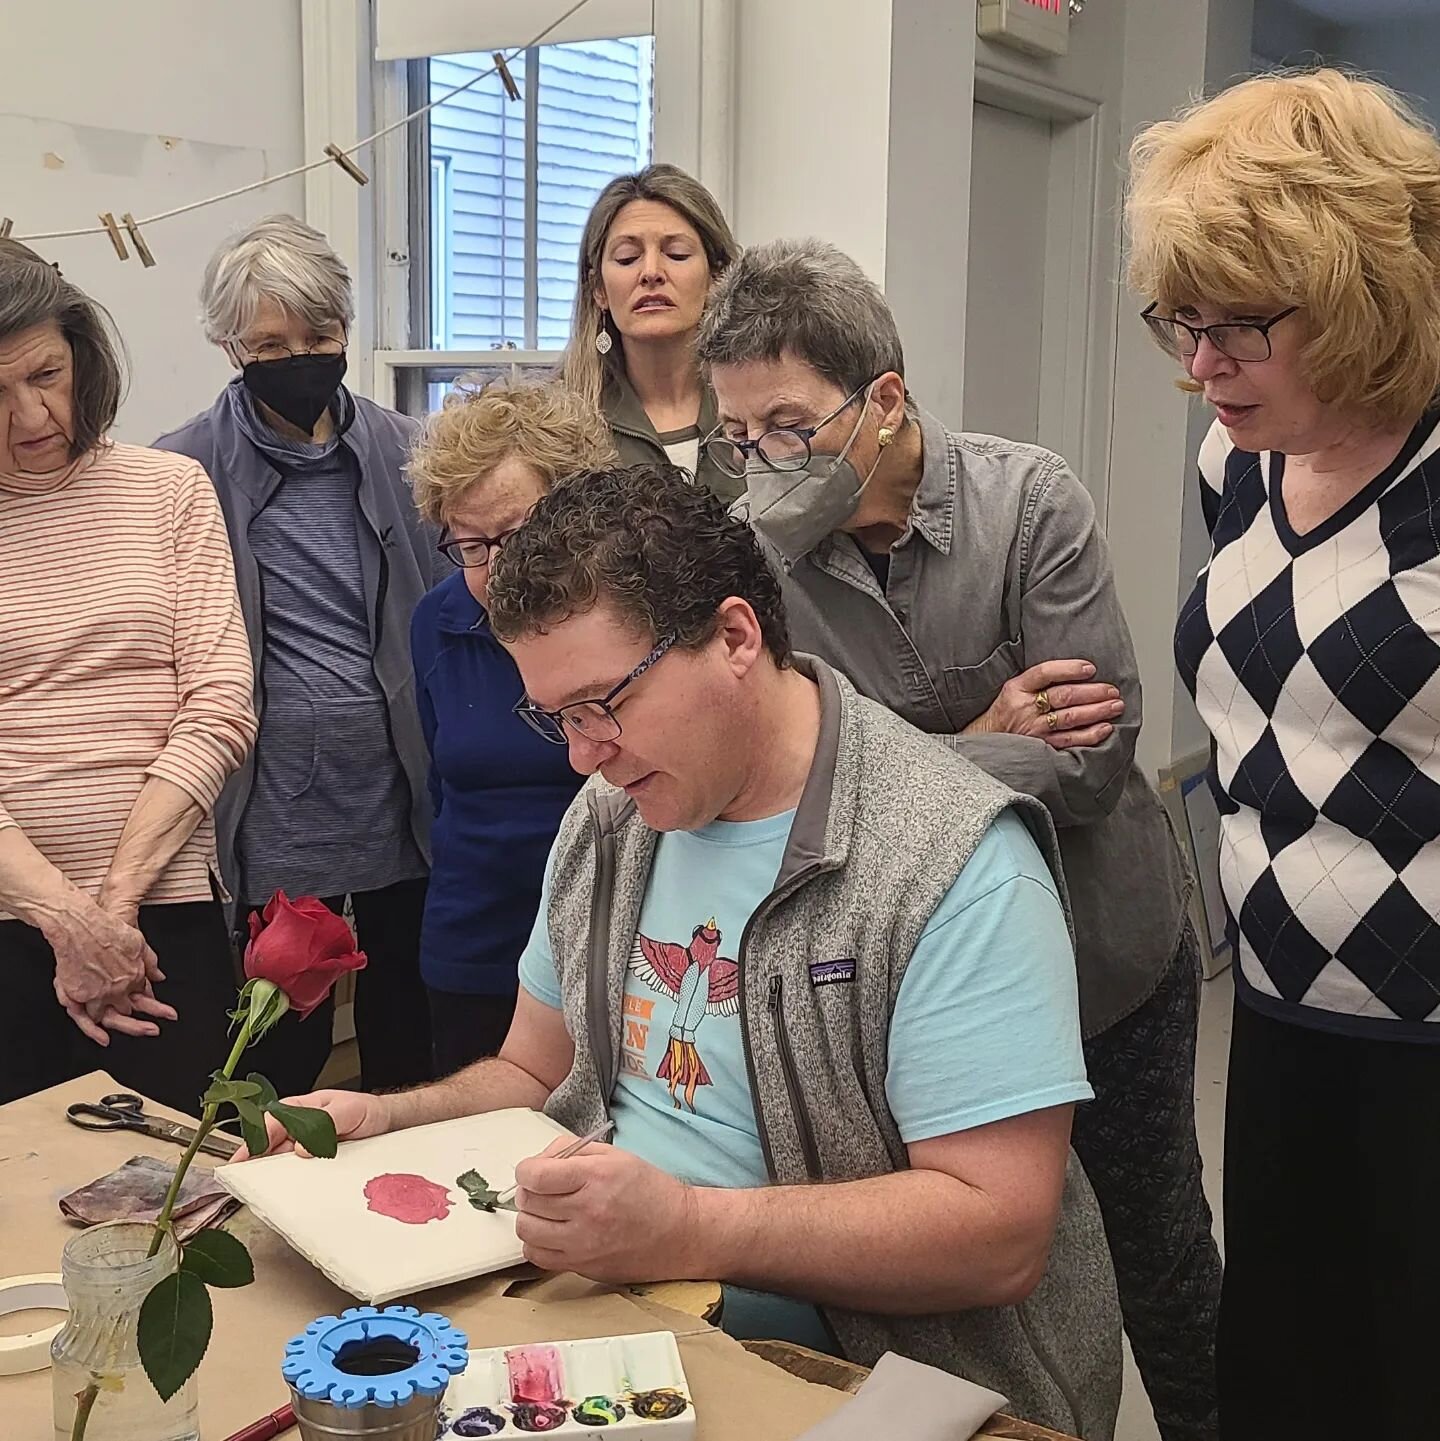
[(653, 245)]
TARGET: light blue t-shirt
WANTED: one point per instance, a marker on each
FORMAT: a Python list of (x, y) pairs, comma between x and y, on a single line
[(986, 1023)]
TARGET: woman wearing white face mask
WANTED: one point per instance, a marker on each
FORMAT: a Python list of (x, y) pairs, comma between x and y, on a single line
[(962, 581)]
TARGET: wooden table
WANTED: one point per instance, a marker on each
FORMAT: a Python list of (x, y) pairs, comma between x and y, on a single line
[(42, 1157)]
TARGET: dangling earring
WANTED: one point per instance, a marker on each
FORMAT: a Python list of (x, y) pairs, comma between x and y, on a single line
[(603, 343)]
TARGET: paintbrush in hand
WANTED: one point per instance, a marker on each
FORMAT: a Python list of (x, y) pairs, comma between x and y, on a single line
[(507, 1198)]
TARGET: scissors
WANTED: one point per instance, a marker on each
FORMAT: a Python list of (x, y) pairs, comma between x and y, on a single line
[(125, 1112)]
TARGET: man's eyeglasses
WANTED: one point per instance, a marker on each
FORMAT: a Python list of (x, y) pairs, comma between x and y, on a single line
[(592, 720), (1240, 340), (472, 551), (784, 449)]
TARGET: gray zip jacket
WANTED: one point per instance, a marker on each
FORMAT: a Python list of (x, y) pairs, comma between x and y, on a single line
[(398, 563), (886, 822), (1003, 566)]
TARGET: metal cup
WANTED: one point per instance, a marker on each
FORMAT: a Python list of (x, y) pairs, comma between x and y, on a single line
[(416, 1420)]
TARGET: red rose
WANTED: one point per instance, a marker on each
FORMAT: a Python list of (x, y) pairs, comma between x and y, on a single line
[(303, 947)]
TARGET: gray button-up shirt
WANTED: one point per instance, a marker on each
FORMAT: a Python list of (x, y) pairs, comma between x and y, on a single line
[(1003, 566)]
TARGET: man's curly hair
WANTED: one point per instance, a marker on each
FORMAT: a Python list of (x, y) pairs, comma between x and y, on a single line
[(663, 551)]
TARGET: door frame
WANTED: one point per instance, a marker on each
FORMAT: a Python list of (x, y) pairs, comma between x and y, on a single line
[(1076, 386)]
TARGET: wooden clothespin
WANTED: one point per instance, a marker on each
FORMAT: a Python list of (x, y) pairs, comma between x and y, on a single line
[(113, 231), (347, 165), (506, 78), (6, 226), (137, 240)]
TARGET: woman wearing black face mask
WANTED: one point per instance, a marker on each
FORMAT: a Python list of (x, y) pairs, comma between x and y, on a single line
[(331, 558)]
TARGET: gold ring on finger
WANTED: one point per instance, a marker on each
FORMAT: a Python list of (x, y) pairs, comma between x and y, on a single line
[(1042, 702), (1052, 719)]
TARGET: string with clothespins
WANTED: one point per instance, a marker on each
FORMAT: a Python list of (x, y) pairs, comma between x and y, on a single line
[(343, 157)]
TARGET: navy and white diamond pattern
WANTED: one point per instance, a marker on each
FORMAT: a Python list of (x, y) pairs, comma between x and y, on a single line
[(1315, 662)]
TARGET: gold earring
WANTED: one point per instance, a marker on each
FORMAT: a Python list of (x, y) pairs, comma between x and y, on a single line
[(885, 436)]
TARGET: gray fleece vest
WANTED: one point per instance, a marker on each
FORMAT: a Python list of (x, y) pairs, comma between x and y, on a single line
[(885, 824)]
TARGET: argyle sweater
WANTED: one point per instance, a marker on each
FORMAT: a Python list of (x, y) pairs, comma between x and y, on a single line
[(1315, 662)]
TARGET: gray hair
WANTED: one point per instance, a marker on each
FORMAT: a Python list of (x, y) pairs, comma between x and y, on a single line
[(33, 292), (807, 299), (285, 260)]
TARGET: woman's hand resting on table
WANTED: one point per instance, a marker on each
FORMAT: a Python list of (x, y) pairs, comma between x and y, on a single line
[(1058, 701)]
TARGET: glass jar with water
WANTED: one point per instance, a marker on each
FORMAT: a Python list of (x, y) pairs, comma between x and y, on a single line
[(107, 1275)]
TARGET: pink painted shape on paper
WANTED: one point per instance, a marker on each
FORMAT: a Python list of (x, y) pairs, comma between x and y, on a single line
[(406, 1197)]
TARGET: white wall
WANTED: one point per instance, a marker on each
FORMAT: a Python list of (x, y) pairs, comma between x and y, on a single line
[(140, 107), (927, 201), (811, 131), (1284, 34), (1141, 61), (854, 120), (1403, 53), (1227, 56)]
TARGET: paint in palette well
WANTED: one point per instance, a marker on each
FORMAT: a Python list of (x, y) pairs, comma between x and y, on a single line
[(534, 1373), (619, 1385)]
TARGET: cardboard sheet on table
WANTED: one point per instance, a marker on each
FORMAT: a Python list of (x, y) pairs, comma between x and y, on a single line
[(321, 1207), (738, 1397)]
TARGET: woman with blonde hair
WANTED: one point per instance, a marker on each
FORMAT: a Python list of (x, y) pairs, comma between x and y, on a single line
[(1288, 235), (498, 789), (653, 245)]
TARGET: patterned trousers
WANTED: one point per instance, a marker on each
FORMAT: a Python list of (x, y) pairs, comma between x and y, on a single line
[(1137, 1142)]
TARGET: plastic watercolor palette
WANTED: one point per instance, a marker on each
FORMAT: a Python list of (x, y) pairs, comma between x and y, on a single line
[(631, 1386)]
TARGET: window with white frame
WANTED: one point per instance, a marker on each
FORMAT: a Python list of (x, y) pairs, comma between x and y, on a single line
[(499, 189), (521, 179), (440, 252)]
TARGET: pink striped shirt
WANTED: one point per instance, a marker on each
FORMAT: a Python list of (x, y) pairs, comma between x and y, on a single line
[(123, 655)]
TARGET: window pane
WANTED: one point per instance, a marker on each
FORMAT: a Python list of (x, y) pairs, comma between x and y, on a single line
[(423, 388), (440, 251), (594, 124), (478, 255), (594, 121)]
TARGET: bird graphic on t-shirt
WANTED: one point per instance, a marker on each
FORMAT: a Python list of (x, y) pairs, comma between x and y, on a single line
[(700, 981)]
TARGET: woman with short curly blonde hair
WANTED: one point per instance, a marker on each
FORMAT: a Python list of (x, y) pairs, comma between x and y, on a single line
[(545, 427), (499, 791), (1288, 235)]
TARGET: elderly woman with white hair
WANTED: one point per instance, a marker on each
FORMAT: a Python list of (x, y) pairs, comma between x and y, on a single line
[(331, 558)]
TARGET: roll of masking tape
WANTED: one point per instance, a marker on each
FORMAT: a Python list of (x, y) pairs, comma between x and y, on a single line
[(30, 1352)]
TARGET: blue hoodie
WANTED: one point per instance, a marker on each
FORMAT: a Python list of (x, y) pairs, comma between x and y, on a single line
[(499, 792)]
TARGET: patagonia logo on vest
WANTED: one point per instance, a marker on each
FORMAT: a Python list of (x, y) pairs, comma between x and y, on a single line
[(831, 973)]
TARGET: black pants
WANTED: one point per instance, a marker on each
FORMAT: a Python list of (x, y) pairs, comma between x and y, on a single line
[(1328, 1327), (1137, 1142), (392, 1016), (467, 1028), (40, 1045)]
